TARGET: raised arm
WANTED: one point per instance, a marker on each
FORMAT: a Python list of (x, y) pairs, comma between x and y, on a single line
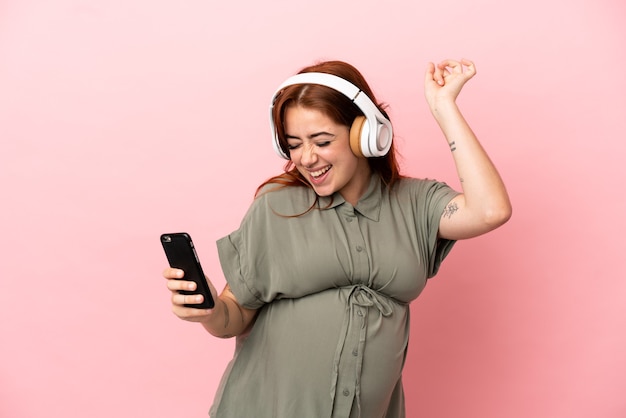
[(484, 204)]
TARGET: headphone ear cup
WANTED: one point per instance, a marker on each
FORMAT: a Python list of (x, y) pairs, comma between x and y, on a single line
[(356, 134), (383, 140)]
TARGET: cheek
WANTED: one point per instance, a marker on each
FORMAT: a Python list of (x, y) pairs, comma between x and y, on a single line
[(294, 156), (347, 157)]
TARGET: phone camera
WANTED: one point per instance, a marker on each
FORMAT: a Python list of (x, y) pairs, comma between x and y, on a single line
[(167, 238)]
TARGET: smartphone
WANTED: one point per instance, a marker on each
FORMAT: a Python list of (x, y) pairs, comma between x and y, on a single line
[(181, 254)]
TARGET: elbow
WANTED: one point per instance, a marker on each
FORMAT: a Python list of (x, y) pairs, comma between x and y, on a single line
[(498, 215)]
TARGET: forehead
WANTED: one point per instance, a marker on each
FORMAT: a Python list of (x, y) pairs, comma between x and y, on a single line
[(297, 117)]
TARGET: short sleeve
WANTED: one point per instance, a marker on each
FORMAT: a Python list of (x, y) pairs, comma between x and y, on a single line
[(252, 256), (233, 258), (441, 194), (428, 200)]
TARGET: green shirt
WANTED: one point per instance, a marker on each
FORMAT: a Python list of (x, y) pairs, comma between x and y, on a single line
[(333, 285)]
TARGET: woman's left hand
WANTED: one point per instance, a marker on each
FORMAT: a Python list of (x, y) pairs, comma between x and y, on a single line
[(445, 80)]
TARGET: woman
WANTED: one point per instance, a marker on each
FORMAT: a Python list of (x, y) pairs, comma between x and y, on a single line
[(323, 267)]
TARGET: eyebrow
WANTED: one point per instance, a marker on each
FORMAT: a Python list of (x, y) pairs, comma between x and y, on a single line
[(312, 136)]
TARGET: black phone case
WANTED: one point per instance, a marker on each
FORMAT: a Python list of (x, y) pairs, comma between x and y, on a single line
[(181, 254)]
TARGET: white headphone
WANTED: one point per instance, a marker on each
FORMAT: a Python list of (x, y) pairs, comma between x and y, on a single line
[(370, 135)]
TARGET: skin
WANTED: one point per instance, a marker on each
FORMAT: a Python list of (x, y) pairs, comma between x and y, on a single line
[(484, 204), (318, 144)]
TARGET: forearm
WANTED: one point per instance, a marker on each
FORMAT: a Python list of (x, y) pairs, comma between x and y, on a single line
[(484, 191), (228, 319)]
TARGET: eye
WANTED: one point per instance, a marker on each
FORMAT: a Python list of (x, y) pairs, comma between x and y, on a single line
[(323, 144), (292, 146)]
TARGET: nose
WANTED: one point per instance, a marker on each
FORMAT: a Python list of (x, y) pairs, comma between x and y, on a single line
[(309, 156)]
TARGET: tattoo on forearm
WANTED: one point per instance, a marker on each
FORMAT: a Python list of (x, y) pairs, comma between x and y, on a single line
[(227, 289), (452, 146), (226, 315), (450, 210), (241, 313)]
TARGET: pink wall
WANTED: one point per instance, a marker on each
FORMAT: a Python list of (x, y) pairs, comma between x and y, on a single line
[(120, 120)]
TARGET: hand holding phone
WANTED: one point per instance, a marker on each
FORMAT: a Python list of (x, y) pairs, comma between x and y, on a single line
[(181, 254)]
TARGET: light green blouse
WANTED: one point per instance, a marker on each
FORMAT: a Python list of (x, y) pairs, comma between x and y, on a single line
[(333, 286)]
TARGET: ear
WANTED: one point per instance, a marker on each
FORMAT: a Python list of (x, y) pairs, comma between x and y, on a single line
[(356, 136)]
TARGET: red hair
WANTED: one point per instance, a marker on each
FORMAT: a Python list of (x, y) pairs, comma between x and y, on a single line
[(336, 106)]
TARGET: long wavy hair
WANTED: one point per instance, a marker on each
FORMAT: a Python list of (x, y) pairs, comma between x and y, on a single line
[(336, 106)]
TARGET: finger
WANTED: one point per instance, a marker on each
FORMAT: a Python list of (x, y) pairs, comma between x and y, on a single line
[(447, 65), (175, 285), (470, 68), (431, 74), (461, 66), (172, 273), (181, 300), (430, 71), (439, 75), (190, 314)]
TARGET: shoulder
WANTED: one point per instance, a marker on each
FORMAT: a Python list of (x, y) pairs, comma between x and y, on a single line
[(283, 200), (415, 186), (421, 193)]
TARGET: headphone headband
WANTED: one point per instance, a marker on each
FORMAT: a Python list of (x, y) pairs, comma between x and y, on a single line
[(377, 132)]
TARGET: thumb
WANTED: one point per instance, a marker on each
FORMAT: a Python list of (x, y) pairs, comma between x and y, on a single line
[(430, 71), (433, 75)]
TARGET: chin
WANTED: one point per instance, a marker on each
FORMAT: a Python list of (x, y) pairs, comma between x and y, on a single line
[(323, 191)]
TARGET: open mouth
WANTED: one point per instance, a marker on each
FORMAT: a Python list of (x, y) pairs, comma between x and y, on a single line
[(320, 173), (317, 177)]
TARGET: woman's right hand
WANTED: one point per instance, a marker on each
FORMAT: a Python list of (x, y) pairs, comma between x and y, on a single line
[(176, 283), (227, 319)]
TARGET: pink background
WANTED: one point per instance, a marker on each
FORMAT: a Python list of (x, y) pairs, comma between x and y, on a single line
[(120, 120)]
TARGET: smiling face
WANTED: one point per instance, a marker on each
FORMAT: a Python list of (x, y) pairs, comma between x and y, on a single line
[(319, 147)]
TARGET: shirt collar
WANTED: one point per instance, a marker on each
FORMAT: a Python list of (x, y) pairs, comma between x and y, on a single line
[(368, 205)]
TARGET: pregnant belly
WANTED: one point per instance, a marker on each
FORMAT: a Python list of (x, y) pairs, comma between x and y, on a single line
[(308, 339)]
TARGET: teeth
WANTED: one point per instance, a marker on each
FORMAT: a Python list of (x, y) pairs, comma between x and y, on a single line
[(320, 172)]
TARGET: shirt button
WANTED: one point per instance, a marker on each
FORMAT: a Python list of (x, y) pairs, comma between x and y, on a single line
[(355, 352), (349, 219), (346, 392), (359, 313), (359, 248)]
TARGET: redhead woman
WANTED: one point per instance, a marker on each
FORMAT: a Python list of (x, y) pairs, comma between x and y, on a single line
[(333, 250)]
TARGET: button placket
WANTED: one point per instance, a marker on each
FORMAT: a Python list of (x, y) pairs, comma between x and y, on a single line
[(360, 256), (348, 361)]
